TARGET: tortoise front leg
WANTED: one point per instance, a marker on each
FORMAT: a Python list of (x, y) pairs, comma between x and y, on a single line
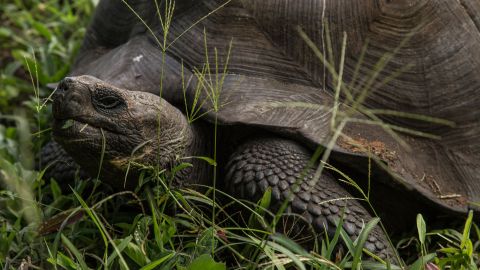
[(279, 163), (59, 164)]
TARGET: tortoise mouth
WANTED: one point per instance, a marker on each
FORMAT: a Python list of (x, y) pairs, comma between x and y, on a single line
[(75, 127), (77, 131)]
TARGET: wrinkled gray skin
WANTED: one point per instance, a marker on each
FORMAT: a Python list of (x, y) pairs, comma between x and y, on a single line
[(91, 114), (131, 128)]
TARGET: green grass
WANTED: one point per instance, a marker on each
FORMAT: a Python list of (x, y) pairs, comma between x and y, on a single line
[(43, 226)]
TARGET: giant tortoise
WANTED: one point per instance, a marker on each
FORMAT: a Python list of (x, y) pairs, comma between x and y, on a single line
[(259, 71)]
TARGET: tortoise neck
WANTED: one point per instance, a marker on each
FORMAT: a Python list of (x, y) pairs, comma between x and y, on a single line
[(198, 146)]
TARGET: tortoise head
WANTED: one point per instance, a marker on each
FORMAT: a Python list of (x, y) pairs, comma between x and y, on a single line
[(95, 120)]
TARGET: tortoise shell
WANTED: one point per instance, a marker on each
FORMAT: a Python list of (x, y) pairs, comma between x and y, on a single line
[(416, 59)]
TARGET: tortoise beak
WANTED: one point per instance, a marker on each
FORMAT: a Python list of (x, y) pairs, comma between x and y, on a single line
[(70, 99)]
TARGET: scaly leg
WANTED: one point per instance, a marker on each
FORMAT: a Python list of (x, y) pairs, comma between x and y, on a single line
[(279, 163)]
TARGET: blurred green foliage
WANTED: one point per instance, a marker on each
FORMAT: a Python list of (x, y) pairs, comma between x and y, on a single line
[(45, 35), (38, 43)]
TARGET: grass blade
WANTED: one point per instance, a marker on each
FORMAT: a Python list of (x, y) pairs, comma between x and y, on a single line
[(101, 228), (360, 242), (121, 246), (156, 263), (75, 252), (420, 262)]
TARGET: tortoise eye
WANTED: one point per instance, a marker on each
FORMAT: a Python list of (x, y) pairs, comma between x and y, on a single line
[(106, 100), (109, 102)]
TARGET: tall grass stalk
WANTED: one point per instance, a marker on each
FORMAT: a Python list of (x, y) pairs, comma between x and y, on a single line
[(343, 120), (356, 103), (103, 231)]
